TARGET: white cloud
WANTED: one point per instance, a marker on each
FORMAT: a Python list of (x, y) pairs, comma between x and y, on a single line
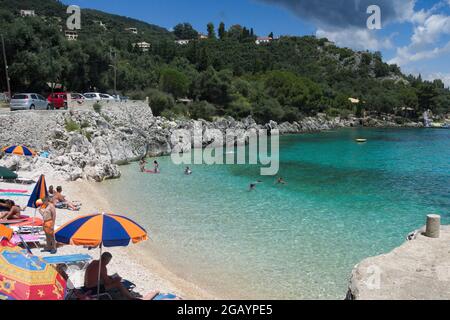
[(407, 55), (362, 39), (432, 28)]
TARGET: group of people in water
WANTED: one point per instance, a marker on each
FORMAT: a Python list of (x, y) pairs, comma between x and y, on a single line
[(156, 169), (188, 172), (143, 163), (279, 181)]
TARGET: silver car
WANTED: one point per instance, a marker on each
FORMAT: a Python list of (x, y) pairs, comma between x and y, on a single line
[(29, 101)]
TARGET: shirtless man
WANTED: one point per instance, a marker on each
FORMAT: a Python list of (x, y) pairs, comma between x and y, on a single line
[(13, 213), (48, 212), (59, 198), (106, 282)]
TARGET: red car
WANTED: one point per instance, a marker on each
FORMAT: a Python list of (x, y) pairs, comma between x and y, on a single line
[(58, 100)]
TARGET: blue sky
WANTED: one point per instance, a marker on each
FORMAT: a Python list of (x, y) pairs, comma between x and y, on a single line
[(415, 33)]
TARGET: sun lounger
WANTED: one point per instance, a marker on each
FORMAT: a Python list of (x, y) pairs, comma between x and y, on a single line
[(28, 239), (68, 259), (22, 181)]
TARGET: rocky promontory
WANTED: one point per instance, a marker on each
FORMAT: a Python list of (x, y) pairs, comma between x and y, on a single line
[(84, 143), (417, 270)]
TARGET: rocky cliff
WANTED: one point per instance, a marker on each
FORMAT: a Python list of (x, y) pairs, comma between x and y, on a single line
[(90, 144)]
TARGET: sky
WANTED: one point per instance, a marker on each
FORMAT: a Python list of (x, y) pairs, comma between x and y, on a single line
[(415, 34)]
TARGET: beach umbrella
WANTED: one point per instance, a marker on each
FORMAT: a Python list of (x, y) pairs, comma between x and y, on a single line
[(27, 277), (19, 150), (101, 230), (7, 174), (39, 192)]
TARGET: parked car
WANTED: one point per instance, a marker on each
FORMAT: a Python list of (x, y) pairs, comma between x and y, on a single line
[(58, 100), (28, 101), (92, 96), (95, 96)]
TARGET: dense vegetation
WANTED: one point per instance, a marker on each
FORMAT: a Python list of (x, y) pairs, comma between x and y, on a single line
[(226, 74)]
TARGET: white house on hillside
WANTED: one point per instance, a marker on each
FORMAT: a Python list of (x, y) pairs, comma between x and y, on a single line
[(27, 13), (71, 35), (144, 46), (263, 40), (182, 42)]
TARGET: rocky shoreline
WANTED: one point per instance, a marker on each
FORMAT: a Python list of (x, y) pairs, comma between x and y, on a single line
[(91, 144)]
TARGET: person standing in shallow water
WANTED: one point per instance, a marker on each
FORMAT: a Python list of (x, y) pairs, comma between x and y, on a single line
[(142, 164), (156, 166)]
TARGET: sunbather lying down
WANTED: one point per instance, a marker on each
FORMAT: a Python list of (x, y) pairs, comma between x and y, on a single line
[(11, 210)]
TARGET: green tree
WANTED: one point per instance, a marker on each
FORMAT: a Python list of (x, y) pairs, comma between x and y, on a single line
[(222, 31), (185, 31), (211, 31), (174, 82)]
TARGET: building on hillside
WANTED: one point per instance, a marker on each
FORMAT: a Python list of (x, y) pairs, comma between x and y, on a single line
[(71, 35), (185, 101), (132, 30), (202, 36), (27, 13), (354, 100), (263, 40), (182, 42), (144, 46)]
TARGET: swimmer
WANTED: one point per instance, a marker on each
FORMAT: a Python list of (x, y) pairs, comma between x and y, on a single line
[(280, 180), (187, 171), (253, 185)]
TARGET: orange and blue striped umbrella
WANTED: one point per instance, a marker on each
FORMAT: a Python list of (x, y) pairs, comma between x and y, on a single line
[(106, 230), (19, 150), (39, 192)]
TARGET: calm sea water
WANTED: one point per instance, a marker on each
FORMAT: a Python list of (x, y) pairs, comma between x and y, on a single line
[(343, 202)]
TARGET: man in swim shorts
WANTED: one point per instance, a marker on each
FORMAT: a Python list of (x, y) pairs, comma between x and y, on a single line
[(48, 212)]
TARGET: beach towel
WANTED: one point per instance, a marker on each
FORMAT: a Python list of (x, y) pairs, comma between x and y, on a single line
[(13, 191)]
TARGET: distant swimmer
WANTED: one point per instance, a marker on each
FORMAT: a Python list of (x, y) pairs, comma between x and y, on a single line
[(280, 180), (253, 185), (187, 171)]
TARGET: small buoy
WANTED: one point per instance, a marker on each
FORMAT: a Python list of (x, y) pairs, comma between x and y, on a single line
[(361, 140)]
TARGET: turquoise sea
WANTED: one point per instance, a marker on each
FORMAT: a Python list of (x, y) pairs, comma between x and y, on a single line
[(343, 202)]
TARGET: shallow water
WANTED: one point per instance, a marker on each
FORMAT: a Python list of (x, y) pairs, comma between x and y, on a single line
[(343, 202)]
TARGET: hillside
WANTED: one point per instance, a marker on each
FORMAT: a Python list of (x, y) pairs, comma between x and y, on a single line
[(226, 74)]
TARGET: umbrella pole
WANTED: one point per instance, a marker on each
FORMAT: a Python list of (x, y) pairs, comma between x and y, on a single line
[(34, 221), (99, 271)]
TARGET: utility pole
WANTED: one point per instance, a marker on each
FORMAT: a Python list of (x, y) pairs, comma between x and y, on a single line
[(6, 67)]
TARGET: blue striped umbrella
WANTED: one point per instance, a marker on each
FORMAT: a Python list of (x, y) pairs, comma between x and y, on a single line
[(39, 192)]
